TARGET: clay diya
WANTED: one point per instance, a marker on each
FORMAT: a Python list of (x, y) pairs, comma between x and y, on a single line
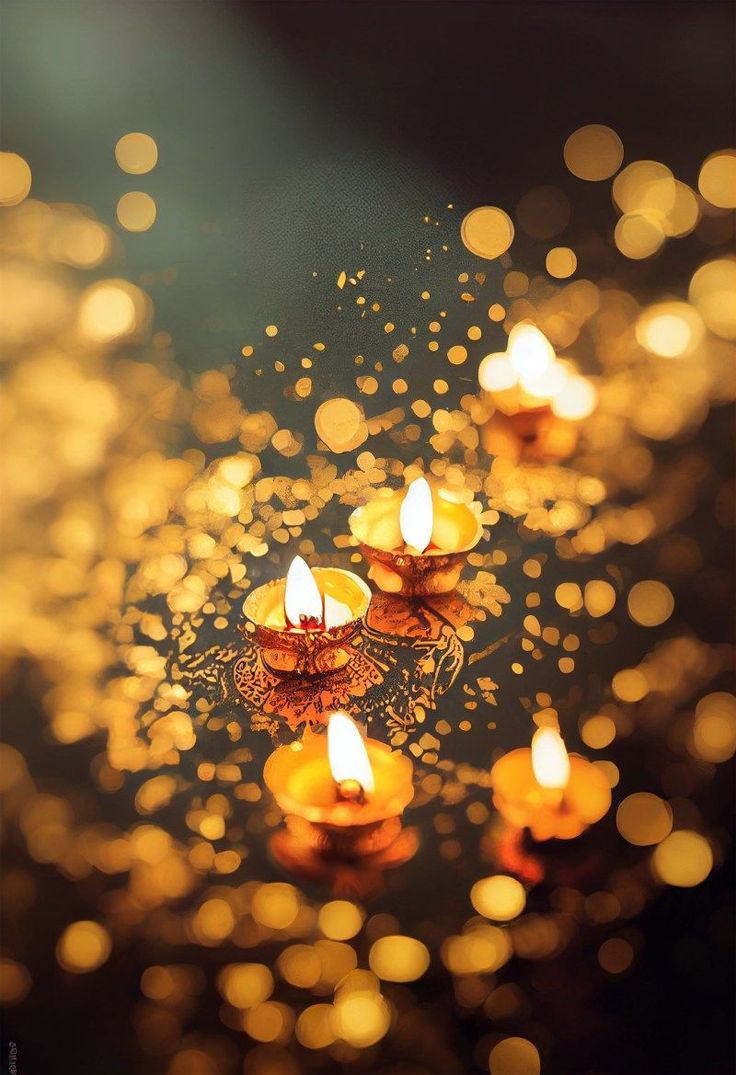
[(303, 622), (552, 793), (340, 793), (415, 539)]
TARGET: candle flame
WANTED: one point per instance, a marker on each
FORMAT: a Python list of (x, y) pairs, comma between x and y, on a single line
[(336, 613), (346, 752), (550, 762), (416, 516), (302, 599), (530, 351)]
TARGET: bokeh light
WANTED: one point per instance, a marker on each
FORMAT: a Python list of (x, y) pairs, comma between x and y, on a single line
[(136, 153), (594, 152)]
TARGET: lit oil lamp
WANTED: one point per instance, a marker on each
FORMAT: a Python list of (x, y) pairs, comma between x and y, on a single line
[(303, 621), (356, 877), (415, 539), (341, 793), (539, 399), (552, 793)]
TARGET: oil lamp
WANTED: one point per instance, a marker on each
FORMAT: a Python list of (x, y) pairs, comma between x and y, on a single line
[(552, 793), (340, 792), (415, 539), (539, 399), (302, 622)]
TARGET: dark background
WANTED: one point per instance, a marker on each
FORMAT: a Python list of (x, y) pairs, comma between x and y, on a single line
[(292, 132)]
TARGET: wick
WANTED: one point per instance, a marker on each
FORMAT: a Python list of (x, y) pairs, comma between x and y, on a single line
[(351, 791), (310, 623)]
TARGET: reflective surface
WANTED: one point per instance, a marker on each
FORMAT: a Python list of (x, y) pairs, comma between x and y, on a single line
[(190, 400)]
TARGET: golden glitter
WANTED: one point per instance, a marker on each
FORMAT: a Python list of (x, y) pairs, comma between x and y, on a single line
[(457, 354), (398, 959), (487, 232), (644, 819), (717, 179), (136, 211), (561, 262), (341, 425), (683, 859), (598, 732), (593, 152), (136, 153), (650, 603), (15, 179), (514, 1056), (499, 898), (83, 947)]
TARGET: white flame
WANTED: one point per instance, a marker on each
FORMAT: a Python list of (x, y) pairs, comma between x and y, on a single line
[(346, 752), (530, 351), (416, 516), (301, 595), (550, 762), (336, 612)]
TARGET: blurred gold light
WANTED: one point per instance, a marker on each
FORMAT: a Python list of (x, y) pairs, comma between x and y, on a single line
[(15, 982), (638, 235), (593, 152), (561, 262), (340, 920), (245, 984), (514, 1056), (717, 179), (83, 244), (136, 153), (213, 922), (361, 1019), (713, 293), (576, 400), (479, 951), (398, 959), (269, 1021), (15, 179), (569, 595), (684, 859), (684, 215), (487, 232), (496, 374), (300, 965), (615, 955), (599, 597), (136, 211), (530, 352), (340, 423), (644, 185), (110, 310), (275, 905), (650, 603), (598, 731), (714, 727), (644, 819), (670, 329), (315, 1027), (83, 947), (630, 685), (500, 898)]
